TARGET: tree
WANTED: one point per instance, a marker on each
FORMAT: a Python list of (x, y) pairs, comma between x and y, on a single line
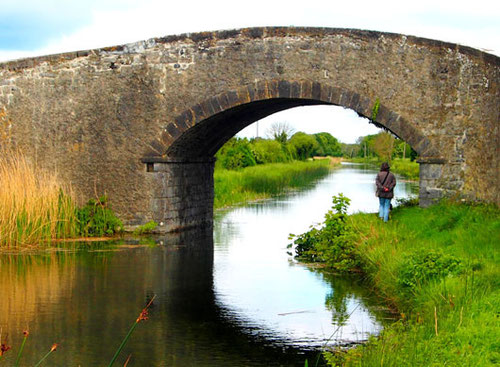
[(328, 145), (303, 145), (384, 145), (236, 153), (280, 131), (269, 151), (366, 144)]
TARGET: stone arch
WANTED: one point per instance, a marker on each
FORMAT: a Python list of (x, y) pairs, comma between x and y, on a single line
[(198, 132)]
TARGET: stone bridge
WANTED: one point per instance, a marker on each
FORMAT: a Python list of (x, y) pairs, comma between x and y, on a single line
[(142, 122)]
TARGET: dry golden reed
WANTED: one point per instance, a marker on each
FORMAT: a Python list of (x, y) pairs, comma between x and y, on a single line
[(34, 205)]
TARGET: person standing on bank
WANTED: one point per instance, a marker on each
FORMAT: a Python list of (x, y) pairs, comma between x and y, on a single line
[(385, 182)]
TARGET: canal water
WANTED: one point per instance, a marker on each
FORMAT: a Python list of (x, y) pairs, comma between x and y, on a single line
[(233, 297)]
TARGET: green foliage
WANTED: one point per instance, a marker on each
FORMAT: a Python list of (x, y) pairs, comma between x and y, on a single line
[(240, 153), (262, 181), (439, 267), (426, 265), (383, 146), (303, 145), (328, 145), (407, 202), (235, 154), (269, 151), (406, 167), (332, 243), (375, 109), (149, 227), (97, 219)]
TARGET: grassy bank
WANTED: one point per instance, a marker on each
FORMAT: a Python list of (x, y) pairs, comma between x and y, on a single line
[(439, 267), (404, 167), (263, 181)]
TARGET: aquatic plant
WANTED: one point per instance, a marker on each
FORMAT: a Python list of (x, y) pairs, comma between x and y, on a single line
[(52, 349), (331, 242), (142, 317), (149, 227), (97, 219), (25, 337)]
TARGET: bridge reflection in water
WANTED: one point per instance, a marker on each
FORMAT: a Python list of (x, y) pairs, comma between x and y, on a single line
[(234, 303)]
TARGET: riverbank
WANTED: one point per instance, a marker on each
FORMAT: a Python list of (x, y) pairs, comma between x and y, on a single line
[(233, 187), (439, 267), (405, 167)]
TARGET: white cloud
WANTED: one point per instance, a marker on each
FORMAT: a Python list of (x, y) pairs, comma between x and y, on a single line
[(115, 22)]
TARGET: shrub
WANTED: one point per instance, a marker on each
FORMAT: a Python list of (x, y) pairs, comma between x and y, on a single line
[(269, 151), (235, 154), (426, 265), (97, 219), (303, 145), (332, 243)]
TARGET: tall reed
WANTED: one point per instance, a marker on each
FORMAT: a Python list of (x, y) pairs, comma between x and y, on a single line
[(35, 206)]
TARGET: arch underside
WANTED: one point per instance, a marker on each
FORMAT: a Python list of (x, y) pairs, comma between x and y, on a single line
[(200, 131)]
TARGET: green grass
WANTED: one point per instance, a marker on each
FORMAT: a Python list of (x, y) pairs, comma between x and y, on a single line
[(406, 168), (439, 267), (263, 181)]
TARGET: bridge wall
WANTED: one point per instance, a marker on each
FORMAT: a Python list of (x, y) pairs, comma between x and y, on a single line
[(102, 117)]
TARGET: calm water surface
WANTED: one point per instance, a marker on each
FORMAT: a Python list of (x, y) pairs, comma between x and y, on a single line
[(228, 298)]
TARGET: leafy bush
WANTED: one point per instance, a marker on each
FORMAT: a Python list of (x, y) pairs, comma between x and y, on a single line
[(235, 154), (426, 265), (328, 145), (97, 219), (332, 243), (303, 145), (269, 151)]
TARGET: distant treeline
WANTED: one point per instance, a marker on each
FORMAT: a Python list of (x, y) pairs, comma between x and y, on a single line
[(383, 146), (242, 152)]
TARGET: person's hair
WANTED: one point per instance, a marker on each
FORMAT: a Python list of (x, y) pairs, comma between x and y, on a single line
[(385, 166)]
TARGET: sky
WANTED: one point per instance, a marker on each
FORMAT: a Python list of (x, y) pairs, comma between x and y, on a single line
[(41, 27)]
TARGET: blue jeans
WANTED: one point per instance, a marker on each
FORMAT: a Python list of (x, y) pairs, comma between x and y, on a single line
[(383, 211)]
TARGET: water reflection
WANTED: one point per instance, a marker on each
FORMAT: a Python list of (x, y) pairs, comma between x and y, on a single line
[(268, 292), (227, 298)]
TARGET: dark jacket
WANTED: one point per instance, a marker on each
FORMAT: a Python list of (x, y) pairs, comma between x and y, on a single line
[(389, 183)]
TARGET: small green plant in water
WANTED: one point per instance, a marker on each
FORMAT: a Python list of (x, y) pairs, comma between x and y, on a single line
[(332, 243), (97, 219), (149, 227), (142, 317), (25, 337), (52, 349)]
